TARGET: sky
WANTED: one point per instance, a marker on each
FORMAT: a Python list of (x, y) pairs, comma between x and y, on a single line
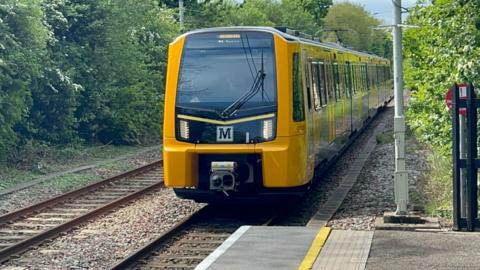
[(381, 9)]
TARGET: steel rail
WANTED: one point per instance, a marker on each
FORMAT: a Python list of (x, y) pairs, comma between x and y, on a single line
[(167, 236), (162, 239), (8, 217), (19, 247)]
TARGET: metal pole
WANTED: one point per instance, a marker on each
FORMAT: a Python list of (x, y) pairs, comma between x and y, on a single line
[(463, 173), (401, 177), (180, 10), (472, 201), (457, 203)]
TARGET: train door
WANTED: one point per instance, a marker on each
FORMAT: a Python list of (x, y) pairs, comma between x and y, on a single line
[(366, 97), (323, 111), (339, 104), (350, 94), (331, 102), (378, 80), (316, 107), (309, 114)]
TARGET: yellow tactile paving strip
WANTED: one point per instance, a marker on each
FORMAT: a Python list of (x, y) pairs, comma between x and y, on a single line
[(315, 249), (345, 250)]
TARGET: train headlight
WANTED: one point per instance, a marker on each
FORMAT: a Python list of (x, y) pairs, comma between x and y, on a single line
[(184, 129), (267, 129)]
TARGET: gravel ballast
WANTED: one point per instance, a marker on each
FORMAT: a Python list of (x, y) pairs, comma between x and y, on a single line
[(104, 241), (373, 193), (60, 185)]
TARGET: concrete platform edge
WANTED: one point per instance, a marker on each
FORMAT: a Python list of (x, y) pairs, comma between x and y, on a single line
[(222, 248)]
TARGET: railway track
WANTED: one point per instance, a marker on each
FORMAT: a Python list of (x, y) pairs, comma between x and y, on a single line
[(24, 228), (192, 240)]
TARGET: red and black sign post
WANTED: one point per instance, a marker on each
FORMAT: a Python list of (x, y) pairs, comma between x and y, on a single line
[(464, 104)]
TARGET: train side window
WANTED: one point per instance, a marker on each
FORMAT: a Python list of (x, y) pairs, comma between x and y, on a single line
[(367, 77), (342, 81), (322, 83), (315, 85), (368, 69), (308, 82), (298, 103), (348, 82), (387, 74), (351, 71), (383, 76), (357, 77), (330, 83), (336, 81), (362, 78), (362, 82), (378, 79)]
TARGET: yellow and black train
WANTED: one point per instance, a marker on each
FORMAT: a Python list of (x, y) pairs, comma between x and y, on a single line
[(250, 112)]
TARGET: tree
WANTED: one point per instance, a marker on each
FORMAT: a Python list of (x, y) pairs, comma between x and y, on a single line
[(317, 8), (54, 94), (127, 97), (305, 15), (22, 43), (444, 49), (356, 26)]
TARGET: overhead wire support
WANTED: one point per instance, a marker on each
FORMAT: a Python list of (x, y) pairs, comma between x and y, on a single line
[(337, 31), (401, 176), (405, 10), (181, 14)]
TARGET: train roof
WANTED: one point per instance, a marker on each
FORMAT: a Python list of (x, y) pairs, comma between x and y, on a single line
[(287, 36)]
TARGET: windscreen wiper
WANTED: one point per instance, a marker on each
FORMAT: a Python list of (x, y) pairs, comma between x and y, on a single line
[(257, 85)]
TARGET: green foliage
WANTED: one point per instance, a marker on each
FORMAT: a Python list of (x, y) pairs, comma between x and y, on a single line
[(306, 15), (22, 42), (317, 8), (93, 71), (384, 138), (438, 187), (444, 50), (356, 26), (125, 105), (75, 70)]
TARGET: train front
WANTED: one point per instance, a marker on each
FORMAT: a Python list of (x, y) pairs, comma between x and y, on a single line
[(222, 136)]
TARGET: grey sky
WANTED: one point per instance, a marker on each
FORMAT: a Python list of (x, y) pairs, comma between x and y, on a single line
[(382, 9)]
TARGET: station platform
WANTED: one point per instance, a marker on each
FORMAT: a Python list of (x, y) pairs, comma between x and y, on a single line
[(265, 248)]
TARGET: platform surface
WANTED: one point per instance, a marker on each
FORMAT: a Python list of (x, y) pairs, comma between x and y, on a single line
[(424, 250), (276, 248), (262, 248), (345, 250)]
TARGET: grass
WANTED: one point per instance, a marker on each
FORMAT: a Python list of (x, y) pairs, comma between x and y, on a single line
[(121, 165), (435, 183), (71, 181), (37, 160), (438, 185), (384, 138), (10, 177)]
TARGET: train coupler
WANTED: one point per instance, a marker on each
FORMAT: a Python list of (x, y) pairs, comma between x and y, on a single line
[(223, 176)]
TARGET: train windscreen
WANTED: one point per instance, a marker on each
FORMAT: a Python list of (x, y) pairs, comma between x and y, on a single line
[(228, 72)]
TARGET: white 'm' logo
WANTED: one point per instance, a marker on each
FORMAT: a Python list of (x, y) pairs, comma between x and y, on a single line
[(225, 134)]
